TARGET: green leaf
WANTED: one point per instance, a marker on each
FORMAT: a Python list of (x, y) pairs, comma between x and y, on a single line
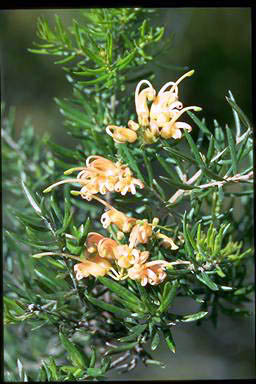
[(78, 358), (21, 371), (73, 113), (131, 337), (155, 341), (169, 340), (121, 348), (109, 46), (94, 372), (193, 316), (65, 153), (178, 185), (199, 123), (93, 358), (41, 245), (31, 198), (127, 156), (138, 329), (211, 148), (169, 294), (187, 238), (149, 169), (94, 57), (28, 220), (194, 150), (84, 230), (180, 155), (90, 71), (241, 114), (53, 368), (232, 149), (67, 59), (154, 362), (135, 332), (236, 117), (109, 307), (95, 81), (122, 292), (159, 189), (56, 208), (205, 279), (125, 61)]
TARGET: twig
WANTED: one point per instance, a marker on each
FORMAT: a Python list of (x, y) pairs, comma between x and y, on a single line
[(180, 192), (235, 179)]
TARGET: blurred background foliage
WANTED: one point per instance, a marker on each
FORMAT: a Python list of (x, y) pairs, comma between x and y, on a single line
[(216, 42)]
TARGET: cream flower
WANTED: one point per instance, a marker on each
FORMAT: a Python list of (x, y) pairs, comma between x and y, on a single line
[(96, 266), (101, 176), (127, 183), (140, 234), (167, 242), (151, 272), (106, 248), (166, 101), (123, 222), (127, 256), (121, 134), (173, 128), (141, 98), (159, 119)]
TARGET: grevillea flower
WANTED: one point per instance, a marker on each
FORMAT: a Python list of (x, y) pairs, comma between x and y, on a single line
[(106, 248), (167, 242), (99, 256), (127, 256), (101, 176), (173, 128), (96, 266), (140, 234), (141, 98), (159, 119), (121, 134), (113, 216), (127, 183), (151, 272)]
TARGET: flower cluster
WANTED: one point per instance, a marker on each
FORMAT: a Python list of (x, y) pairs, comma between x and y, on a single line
[(105, 256), (158, 120), (101, 176)]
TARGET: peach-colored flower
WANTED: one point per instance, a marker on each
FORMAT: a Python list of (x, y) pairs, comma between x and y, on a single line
[(106, 248), (140, 234), (123, 222), (127, 256), (141, 98), (151, 272), (101, 176), (92, 241), (167, 241), (173, 128), (96, 266), (127, 183), (166, 101), (121, 134)]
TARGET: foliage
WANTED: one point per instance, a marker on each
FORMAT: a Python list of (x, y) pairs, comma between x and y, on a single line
[(95, 319)]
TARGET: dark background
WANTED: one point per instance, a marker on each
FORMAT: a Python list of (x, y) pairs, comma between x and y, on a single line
[(216, 42)]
